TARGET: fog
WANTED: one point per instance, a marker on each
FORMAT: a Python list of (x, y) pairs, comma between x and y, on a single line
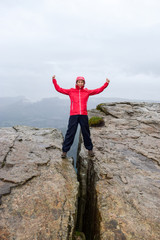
[(117, 39)]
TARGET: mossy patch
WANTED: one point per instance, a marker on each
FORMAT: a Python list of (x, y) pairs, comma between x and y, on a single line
[(79, 236), (96, 122), (99, 107)]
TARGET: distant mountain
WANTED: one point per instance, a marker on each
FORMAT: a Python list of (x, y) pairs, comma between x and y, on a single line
[(48, 112), (51, 112)]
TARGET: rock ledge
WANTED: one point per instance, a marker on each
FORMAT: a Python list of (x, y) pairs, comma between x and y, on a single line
[(121, 184), (38, 189)]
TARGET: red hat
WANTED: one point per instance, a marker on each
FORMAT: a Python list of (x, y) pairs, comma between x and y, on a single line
[(80, 78)]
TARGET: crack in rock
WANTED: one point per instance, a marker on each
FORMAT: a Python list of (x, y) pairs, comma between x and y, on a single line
[(9, 151)]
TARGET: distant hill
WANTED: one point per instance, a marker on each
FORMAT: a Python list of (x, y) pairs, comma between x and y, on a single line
[(51, 112), (48, 112)]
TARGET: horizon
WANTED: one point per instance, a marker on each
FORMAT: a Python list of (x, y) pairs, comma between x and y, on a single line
[(63, 97)]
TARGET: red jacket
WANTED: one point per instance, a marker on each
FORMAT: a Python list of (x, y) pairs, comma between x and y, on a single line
[(78, 97)]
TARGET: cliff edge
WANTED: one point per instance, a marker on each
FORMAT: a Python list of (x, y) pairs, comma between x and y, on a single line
[(114, 196), (120, 186), (38, 189)]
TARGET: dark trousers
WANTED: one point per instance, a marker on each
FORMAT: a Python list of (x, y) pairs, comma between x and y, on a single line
[(71, 131)]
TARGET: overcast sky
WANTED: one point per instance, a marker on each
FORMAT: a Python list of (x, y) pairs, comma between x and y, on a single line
[(118, 39)]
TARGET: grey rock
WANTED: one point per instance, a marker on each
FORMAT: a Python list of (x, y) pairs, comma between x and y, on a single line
[(38, 189), (123, 179)]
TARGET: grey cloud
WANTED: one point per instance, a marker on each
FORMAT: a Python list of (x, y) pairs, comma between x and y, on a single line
[(112, 39)]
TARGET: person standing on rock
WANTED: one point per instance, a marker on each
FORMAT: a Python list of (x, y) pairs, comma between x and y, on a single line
[(78, 113)]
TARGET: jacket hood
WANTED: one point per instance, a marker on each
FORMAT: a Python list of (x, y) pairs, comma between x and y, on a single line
[(80, 78)]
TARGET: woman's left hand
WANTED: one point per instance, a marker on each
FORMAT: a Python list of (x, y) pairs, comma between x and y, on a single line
[(107, 80)]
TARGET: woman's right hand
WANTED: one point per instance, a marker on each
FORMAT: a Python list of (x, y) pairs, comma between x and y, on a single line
[(53, 77)]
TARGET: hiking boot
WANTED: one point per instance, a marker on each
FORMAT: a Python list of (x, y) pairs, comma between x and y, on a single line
[(91, 153), (63, 155)]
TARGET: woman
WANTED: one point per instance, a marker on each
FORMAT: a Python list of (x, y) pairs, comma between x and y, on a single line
[(78, 113)]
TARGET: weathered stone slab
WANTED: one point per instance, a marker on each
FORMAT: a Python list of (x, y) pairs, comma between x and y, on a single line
[(123, 179), (38, 189)]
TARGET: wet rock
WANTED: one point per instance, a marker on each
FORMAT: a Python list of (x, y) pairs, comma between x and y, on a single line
[(123, 179), (38, 189)]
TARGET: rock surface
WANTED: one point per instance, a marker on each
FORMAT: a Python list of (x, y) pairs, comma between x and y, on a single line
[(121, 184), (38, 189)]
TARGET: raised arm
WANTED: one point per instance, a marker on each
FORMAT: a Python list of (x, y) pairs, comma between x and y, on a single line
[(58, 88), (99, 90)]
